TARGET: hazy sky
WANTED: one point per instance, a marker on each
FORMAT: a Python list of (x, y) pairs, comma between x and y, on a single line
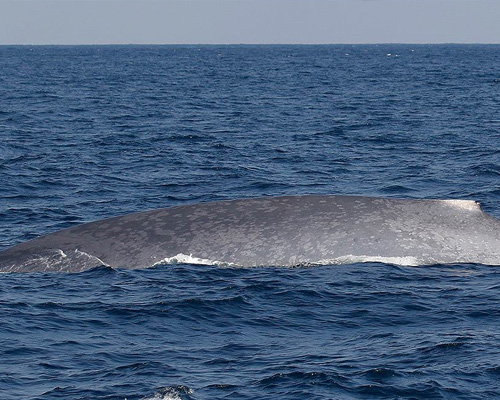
[(249, 21)]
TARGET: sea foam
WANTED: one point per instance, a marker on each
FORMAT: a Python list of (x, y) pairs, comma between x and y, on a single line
[(342, 260)]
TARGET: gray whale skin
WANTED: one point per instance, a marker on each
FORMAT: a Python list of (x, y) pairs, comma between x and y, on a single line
[(272, 231)]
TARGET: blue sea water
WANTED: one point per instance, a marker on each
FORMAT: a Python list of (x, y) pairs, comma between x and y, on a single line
[(88, 132)]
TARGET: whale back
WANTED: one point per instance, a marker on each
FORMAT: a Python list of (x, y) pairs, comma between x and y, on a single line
[(272, 231)]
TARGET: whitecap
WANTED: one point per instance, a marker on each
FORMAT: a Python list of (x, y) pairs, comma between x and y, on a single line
[(171, 393), (190, 259), (407, 261)]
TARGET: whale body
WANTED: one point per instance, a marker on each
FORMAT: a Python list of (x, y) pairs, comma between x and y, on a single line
[(272, 231)]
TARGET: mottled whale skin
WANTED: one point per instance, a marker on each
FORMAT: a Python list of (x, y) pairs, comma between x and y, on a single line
[(272, 231)]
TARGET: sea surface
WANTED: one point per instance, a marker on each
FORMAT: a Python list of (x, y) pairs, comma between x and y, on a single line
[(88, 132)]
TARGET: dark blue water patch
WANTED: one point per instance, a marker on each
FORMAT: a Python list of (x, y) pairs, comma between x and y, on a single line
[(364, 330)]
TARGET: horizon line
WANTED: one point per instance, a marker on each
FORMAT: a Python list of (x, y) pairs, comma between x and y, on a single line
[(254, 44)]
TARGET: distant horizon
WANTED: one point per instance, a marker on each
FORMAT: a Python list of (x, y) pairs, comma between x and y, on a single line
[(257, 44), (218, 22)]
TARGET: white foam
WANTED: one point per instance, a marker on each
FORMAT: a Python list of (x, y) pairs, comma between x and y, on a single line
[(189, 259), (170, 393), (407, 261), (164, 396), (342, 260)]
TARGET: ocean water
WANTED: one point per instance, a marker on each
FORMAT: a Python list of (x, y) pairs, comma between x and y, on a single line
[(88, 132)]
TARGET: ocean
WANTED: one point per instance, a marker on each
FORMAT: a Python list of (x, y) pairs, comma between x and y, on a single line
[(89, 132)]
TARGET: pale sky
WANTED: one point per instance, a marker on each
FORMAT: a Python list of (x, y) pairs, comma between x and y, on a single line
[(248, 21)]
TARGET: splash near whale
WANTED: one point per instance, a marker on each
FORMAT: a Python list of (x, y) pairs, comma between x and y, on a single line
[(272, 231)]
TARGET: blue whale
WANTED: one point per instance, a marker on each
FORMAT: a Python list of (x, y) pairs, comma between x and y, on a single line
[(272, 231)]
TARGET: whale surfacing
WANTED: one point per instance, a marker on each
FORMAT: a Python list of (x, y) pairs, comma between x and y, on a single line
[(272, 231)]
